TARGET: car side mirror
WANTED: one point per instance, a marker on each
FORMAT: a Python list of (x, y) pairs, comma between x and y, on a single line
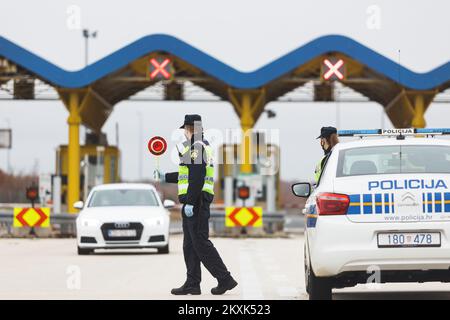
[(78, 205), (168, 204), (302, 189)]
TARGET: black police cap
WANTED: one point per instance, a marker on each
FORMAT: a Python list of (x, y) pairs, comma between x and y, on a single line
[(190, 120), (325, 132)]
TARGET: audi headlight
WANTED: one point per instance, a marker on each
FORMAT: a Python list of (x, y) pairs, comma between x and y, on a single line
[(88, 222), (154, 221)]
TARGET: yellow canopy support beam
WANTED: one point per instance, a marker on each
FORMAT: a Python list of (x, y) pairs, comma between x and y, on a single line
[(247, 123), (249, 105), (73, 174), (408, 108), (94, 109), (419, 109)]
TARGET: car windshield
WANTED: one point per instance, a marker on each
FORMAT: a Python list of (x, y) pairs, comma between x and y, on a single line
[(393, 159), (123, 197)]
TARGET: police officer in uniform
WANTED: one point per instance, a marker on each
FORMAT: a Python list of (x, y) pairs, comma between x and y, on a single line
[(328, 139), (195, 179)]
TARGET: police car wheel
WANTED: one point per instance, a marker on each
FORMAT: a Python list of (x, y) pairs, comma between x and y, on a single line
[(306, 270), (318, 288), (164, 249), (83, 251)]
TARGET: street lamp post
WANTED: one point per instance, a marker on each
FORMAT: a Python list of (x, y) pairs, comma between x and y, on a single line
[(87, 34), (140, 141), (8, 160)]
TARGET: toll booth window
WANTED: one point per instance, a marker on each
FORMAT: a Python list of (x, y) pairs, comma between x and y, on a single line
[(124, 197), (112, 169), (393, 159)]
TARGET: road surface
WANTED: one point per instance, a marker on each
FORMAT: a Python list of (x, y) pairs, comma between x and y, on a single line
[(264, 268)]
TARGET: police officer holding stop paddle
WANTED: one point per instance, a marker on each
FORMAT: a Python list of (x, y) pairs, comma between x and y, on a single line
[(195, 179)]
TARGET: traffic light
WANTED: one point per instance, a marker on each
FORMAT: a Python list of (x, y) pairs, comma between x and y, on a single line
[(244, 192), (32, 193)]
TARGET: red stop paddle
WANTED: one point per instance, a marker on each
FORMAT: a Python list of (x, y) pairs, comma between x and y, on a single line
[(157, 146)]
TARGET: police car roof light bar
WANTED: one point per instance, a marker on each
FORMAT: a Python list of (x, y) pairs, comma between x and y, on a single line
[(393, 132)]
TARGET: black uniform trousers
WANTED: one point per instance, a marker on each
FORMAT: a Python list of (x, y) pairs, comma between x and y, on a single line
[(197, 247)]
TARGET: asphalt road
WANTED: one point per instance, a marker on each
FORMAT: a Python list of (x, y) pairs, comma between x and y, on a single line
[(264, 268)]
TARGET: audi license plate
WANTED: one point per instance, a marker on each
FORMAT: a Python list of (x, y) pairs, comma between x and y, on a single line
[(409, 239), (122, 233)]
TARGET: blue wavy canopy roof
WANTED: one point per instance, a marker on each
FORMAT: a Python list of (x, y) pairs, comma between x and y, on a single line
[(219, 70)]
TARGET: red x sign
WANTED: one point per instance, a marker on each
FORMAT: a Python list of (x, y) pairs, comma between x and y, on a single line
[(333, 71), (160, 68)]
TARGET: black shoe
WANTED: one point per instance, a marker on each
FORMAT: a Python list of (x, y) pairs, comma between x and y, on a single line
[(224, 286), (186, 289)]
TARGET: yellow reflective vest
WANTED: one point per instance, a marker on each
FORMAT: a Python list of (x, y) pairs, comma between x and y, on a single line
[(183, 168)]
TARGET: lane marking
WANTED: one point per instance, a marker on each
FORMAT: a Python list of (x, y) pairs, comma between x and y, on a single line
[(288, 292), (279, 278), (251, 285), (272, 267)]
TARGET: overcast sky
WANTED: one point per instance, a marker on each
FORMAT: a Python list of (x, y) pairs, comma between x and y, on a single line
[(244, 34)]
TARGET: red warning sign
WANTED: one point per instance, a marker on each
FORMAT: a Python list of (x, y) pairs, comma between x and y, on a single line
[(243, 217), (31, 217), (157, 146), (160, 68), (333, 70)]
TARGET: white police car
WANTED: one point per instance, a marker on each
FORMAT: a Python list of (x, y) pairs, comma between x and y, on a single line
[(123, 216), (380, 204)]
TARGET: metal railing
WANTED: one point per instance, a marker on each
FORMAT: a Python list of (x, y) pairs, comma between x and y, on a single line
[(272, 222), (64, 225)]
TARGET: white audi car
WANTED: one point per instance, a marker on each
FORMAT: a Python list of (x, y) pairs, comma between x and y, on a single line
[(380, 212), (123, 216)]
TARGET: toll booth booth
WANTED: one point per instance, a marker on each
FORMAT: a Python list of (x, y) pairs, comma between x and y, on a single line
[(263, 182), (98, 164)]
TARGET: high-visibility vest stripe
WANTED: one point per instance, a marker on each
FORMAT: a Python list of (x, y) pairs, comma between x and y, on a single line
[(183, 171), (318, 171)]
